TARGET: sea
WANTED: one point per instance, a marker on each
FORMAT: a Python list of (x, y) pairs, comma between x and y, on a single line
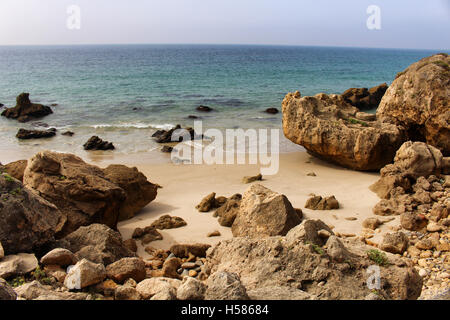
[(123, 93)]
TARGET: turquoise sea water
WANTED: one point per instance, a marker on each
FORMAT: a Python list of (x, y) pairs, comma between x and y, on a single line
[(124, 92)]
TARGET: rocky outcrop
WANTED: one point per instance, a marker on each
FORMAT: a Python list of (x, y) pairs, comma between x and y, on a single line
[(277, 262), (25, 134), (16, 169), (365, 99), (82, 192), (418, 100), (264, 213), (25, 110), (96, 243), (139, 191), (330, 128), (29, 222)]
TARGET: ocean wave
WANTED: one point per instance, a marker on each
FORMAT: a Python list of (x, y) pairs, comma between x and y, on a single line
[(138, 125)]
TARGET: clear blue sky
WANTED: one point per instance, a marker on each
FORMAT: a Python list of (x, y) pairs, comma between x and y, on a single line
[(405, 23)]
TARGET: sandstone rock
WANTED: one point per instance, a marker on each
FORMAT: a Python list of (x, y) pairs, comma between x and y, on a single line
[(225, 286), (227, 213), (208, 203), (337, 251), (6, 292), (95, 143), (371, 223), (412, 221), (251, 179), (29, 222), (418, 100), (20, 264), (25, 110), (97, 243), (35, 290), (16, 169), (264, 213), (168, 222), (139, 191), (183, 250), (319, 203), (81, 191), (25, 134), (150, 287), (326, 126), (170, 268), (59, 257), (394, 242), (150, 235), (2, 252), (191, 289), (425, 244), (131, 245), (308, 232), (126, 293), (215, 233), (365, 99), (434, 227), (279, 293), (127, 268), (84, 274)]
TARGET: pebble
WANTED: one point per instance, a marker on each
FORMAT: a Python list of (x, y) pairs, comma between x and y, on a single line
[(192, 273), (434, 227), (423, 273), (188, 265)]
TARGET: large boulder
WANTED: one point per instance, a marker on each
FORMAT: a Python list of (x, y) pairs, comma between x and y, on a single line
[(139, 191), (336, 270), (81, 191), (264, 213), (28, 222), (330, 128), (25, 110), (97, 243), (418, 100), (17, 264), (365, 99)]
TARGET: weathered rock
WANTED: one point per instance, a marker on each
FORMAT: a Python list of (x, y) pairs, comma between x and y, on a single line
[(170, 268), (59, 257), (126, 293), (150, 234), (191, 289), (365, 99), (150, 287), (20, 264), (79, 190), (395, 242), (250, 179), (225, 286), (326, 126), (168, 222), (371, 223), (208, 203), (183, 250), (228, 212), (16, 169), (279, 293), (95, 143), (25, 134), (2, 252), (412, 221), (319, 203), (139, 191), (6, 292), (337, 251), (84, 274), (176, 134), (25, 110), (131, 245), (308, 232), (215, 233), (97, 243), (418, 100), (29, 222), (35, 290), (125, 269), (264, 213)]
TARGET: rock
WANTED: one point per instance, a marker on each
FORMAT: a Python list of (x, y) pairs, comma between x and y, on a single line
[(25, 110), (139, 191), (227, 213), (81, 191), (125, 269), (16, 169), (29, 222), (277, 262), (208, 203), (2, 252), (371, 223), (150, 287), (225, 286), (192, 273), (166, 149), (6, 292), (412, 160), (183, 250), (365, 99), (176, 134), (97, 243), (336, 250), (168, 222), (326, 126), (126, 293), (165, 294), (272, 110), (59, 257), (188, 265), (251, 179), (68, 133), (170, 268), (308, 232), (84, 274), (311, 174), (95, 143), (20, 264), (412, 221), (191, 289), (434, 227), (319, 203), (36, 291), (214, 234), (131, 245), (150, 235), (264, 213), (25, 134), (204, 109), (395, 242), (279, 293), (418, 100), (424, 244)]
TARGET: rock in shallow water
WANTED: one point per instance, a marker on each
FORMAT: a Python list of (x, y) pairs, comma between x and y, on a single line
[(25, 110), (95, 143), (25, 134)]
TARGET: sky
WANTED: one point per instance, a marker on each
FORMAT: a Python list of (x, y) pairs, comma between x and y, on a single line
[(421, 24)]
